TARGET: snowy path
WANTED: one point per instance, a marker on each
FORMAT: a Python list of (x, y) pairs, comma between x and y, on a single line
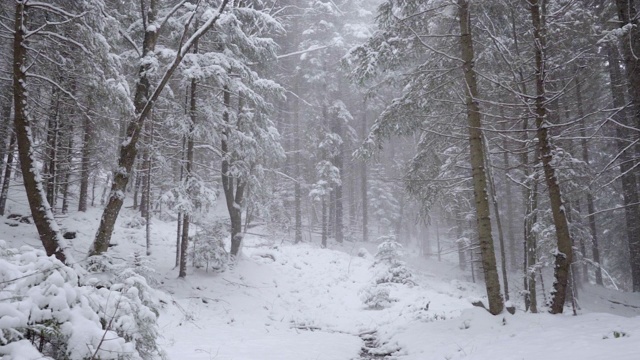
[(303, 305)]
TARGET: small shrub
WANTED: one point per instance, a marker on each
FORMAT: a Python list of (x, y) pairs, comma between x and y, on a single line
[(51, 314), (376, 297), (208, 248), (134, 222)]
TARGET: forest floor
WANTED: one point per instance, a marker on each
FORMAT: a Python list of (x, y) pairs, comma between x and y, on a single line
[(296, 302)]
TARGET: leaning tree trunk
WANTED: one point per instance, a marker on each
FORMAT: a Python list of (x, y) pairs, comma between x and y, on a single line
[(476, 147), (143, 106), (48, 230), (563, 254)]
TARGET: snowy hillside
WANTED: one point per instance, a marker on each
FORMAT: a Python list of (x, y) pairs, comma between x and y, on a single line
[(283, 301)]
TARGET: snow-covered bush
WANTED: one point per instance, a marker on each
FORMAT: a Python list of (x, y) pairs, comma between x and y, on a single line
[(134, 222), (397, 272), (45, 312), (208, 248), (376, 296)]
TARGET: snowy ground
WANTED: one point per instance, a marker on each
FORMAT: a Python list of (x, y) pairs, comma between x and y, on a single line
[(297, 302)]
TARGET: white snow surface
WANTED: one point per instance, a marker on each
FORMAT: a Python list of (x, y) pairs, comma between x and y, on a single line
[(297, 302)]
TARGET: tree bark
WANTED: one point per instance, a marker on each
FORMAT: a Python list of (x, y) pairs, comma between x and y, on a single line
[(627, 14), (297, 159), (591, 209), (496, 210), (363, 180), (53, 132), (563, 255), (7, 174), (476, 147), (624, 138), (85, 164), (48, 230), (188, 168), (233, 193)]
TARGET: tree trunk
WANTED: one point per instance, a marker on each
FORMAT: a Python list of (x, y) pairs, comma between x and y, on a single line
[(6, 130), (483, 221), (496, 210), (363, 180), (128, 149), (188, 168), (68, 162), (324, 222), (232, 193), (563, 256), (7, 174), (297, 159), (624, 138), (509, 201), (143, 106), (590, 201), (53, 132), (52, 240), (85, 166)]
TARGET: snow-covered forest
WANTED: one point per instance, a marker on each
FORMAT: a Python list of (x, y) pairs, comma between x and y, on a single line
[(319, 179)]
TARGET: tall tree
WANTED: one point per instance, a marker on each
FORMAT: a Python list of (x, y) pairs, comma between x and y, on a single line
[(144, 102)]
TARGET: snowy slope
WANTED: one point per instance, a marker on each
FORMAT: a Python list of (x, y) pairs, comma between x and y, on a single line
[(284, 301)]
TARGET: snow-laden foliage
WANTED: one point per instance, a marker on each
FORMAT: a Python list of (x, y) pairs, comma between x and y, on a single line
[(45, 311), (208, 248), (389, 267), (376, 296), (388, 270)]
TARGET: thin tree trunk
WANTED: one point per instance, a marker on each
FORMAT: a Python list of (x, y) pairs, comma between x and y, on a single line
[(6, 130), (590, 201), (7, 175), (531, 246), (186, 216), (180, 211), (509, 201), (496, 210), (147, 192), (233, 193), (624, 138), (324, 222), (87, 144), (363, 180), (462, 261), (483, 221), (563, 256), (297, 159), (627, 14), (53, 132), (68, 162)]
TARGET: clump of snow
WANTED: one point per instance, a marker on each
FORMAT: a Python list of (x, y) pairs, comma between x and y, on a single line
[(48, 305)]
